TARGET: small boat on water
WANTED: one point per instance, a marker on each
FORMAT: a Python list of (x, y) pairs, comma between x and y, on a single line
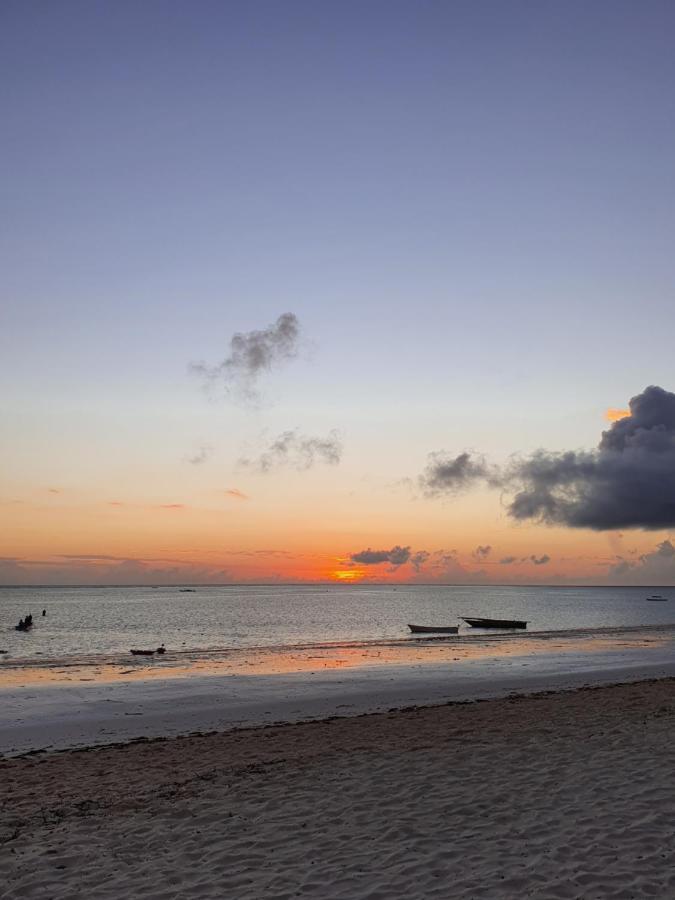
[(657, 597), (495, 623), (434, 629), (159, 650), (188, 591)]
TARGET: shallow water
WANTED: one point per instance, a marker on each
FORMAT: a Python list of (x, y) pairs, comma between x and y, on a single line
[(94, 620)]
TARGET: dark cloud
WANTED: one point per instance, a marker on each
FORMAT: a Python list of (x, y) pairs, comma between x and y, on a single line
[(251, 354), (627, 482), (397, 556), (482, 552), (447, 475), (540, 560), (507, 560), (293, 450)]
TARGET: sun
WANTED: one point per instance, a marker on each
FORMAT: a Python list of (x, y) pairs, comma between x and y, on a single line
[(347, 575)]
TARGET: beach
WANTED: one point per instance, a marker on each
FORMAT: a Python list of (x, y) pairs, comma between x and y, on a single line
[(549, 795)]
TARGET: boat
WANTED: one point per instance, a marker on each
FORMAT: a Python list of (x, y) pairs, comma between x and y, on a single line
[(188, 591), (434, 629), (142, 652), (495, 623), (658, 597)]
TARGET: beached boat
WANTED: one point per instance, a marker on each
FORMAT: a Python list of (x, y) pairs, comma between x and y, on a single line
[(495, 623), (655, 597), (434, 629)]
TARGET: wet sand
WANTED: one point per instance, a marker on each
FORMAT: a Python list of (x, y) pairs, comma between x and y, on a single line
[(558, 795), (77, 703)]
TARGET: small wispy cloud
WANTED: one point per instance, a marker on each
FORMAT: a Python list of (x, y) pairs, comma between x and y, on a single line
[(482, 552), (540, 560), (419, 558), (297, 451), (251, 354), (445, 474), (200, 456), (236, 494), (171, 506)]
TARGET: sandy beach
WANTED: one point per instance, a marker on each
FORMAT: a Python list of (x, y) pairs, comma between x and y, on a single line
[(552, 795)]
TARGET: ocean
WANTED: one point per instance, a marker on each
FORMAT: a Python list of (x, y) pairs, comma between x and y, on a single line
[(110, 620)]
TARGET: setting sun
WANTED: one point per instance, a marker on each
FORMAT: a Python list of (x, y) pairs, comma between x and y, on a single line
[(347, 574)]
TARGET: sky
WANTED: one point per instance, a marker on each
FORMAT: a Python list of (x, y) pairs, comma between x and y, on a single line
[(331, 291)]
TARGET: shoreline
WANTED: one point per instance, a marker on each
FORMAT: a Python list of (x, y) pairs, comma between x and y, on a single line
[(91, 709), (556, 795)]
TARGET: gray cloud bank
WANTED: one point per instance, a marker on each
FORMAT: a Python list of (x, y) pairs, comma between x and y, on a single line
[(251, 354), (297, 451), (628, 481)]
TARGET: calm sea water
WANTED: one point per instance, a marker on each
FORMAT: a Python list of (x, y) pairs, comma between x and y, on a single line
[(110, 620)]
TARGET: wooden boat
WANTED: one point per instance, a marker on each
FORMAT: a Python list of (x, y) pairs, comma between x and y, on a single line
[(434, 629), (655, 597), (142, 652), (495, 623)]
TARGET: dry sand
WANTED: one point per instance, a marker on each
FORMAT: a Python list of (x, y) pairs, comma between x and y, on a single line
[(566, 795)]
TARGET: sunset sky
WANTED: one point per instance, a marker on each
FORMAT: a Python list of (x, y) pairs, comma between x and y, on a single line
[(296, 291)]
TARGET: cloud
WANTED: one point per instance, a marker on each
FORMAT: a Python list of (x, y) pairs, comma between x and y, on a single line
[(293, 450), (236, 494), (448, 475), (482, 552), (92, 557), (657, 567), (540, 560), (419, 558), (171, 506), (91, 568), (200, 456), (397, 556), (54, 490), (251, 354), (507, 560), (613, 415), (627, 482)]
